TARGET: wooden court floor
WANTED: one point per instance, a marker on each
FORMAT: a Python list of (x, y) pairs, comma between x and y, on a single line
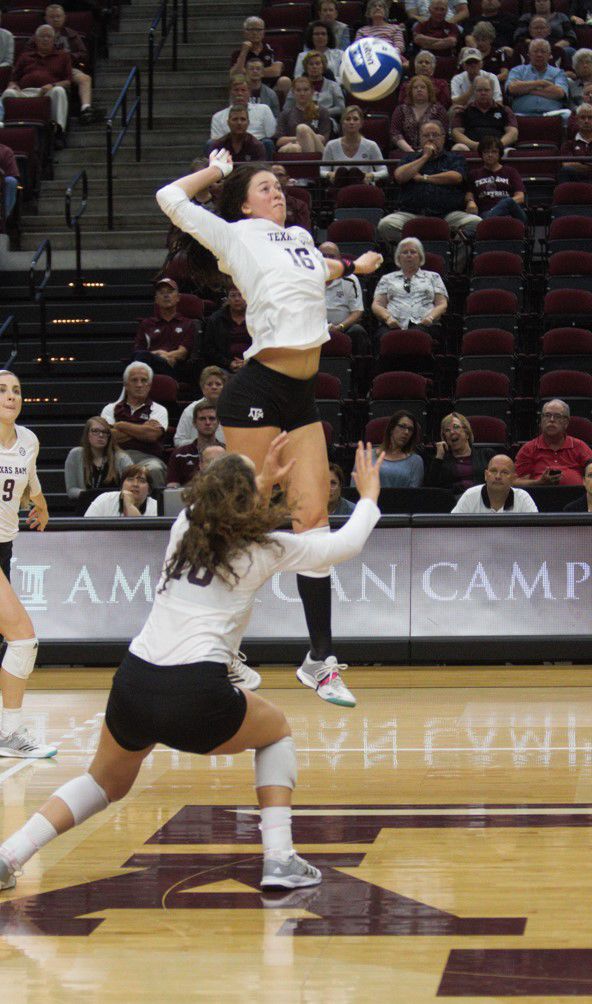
[(450, 812)]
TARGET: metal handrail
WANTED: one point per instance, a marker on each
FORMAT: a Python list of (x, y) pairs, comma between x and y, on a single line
[(37, 291), (166, 26), (10, 324), (135, 112), (73, 222)]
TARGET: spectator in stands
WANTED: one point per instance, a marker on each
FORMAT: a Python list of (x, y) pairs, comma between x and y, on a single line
[(483, 118), (438, 34), (581, 11), (495, 189), (338, 506), (319, 37), (352, 145), (494, 60), (422, 196), (238, 140), (573, 170), (377, 12), (536, 87), (137, 422), (261, 93), (462, 85), (97, 463), (327, 93), (539, 28), (581, 65), (44, 71), (9, 168), (496, 496), (584, 503), (413, 297), (327, 12), (503, 23), (424, 65), (562, 32), (420, 106), (225, 336), (262, 123), (254, 46), (297, 210), (303, 126), (166, 339), (553, 458), (6, 46), (185, 460), (402, 466), (419, 10), (458, 464), (345, 304), (211, 383), (133, 500), (209, 454), (69, 40)]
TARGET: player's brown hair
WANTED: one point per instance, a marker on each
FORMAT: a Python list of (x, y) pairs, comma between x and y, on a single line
[(226, 516)]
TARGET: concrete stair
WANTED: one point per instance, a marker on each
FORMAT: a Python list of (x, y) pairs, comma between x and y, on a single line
[(184, 103)]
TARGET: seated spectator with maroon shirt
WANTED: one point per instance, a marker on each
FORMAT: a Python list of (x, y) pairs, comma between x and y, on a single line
[(437, 34), (165, 340), (225, 336), (238, 140), (9, 168), (185, 461), (553, 458), (44, 70), (581, 144), (495, 189), (137, 422)]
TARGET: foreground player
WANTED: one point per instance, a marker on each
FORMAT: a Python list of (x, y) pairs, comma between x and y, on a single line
[(172, 686), (282, 278), (18, 475)]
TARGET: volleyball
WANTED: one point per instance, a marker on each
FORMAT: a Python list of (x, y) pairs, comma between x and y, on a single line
[(371, 69)]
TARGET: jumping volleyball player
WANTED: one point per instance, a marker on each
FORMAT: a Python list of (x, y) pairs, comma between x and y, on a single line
[(18, 475), (282, 278), (173, 687)]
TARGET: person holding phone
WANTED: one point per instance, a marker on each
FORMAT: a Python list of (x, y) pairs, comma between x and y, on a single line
[(553, 458)]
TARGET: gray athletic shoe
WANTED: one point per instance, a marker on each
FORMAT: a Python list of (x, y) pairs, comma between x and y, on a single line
[(323, 676), (7, 875), (241, 674), (22, 744), (292, 872)]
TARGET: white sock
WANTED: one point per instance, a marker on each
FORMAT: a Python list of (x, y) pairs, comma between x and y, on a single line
[(11, 720), (84, 107), (31, 837), (276, 830)]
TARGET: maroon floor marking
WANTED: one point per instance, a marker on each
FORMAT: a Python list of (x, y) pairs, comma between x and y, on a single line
[(526, 972)]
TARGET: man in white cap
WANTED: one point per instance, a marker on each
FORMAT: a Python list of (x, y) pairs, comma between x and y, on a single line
[(462, 86)]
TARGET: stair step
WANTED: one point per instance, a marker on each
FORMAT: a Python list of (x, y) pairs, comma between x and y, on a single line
[(115, 239)]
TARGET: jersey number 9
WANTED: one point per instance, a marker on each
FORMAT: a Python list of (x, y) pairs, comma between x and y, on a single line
[(8, 490)]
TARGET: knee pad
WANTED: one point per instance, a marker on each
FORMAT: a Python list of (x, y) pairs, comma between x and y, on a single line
[(276, 764), (319, 573), (83, 796), (19, 658)]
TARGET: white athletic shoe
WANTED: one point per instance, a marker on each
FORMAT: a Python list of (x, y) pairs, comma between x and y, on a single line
[(7, 874), (22, 744), (289, 872), (241, 674), (323, 676)]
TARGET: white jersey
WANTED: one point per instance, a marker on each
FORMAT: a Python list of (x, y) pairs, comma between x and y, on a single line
[(199, 618), (18, 471), (279, 272)]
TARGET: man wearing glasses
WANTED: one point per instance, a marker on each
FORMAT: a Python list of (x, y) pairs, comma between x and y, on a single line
[(553, 458)]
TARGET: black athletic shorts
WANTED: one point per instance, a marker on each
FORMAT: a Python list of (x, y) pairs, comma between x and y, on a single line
[(257, 396), (192, 707), (5, 556)]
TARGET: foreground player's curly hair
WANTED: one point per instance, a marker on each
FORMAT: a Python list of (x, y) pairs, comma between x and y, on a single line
[(226, 515), (199, 264)]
